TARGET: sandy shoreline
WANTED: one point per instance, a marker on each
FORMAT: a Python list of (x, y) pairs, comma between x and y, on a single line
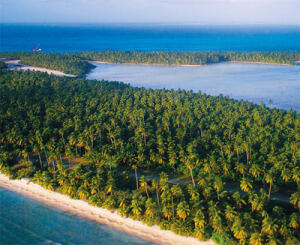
[(101, 215), (186, 65), (142, 64), (49, 71), (14, 64)]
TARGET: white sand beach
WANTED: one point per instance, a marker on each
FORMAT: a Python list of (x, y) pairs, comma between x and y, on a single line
[(82, 208), (95, 62), (15, 64), (49, 71)]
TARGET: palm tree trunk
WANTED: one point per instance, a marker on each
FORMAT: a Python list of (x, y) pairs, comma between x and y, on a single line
[(173, 207), (136, 178), (270, 190), (157, 197), (40, 160), (191, 172)]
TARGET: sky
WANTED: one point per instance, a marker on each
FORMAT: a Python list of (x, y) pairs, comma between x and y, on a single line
[(220, 12)]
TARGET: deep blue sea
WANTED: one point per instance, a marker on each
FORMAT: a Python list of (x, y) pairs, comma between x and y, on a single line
[(28, 222), (75, 38)]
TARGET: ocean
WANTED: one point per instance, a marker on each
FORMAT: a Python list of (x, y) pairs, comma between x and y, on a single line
[(24, 221), (92, 37)]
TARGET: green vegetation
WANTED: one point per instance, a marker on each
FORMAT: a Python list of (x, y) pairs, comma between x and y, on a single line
[(67, 63), (47, 120), (191, 58), (77, 63)]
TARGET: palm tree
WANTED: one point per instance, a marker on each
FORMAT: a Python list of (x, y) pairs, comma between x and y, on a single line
[(257, 202), (135, 207), (269, 226), (295, 199), (155, 185), (255, 170), (239, 231), (176, 192), (241, 168), (183, 210), (190, 164), (199, 219), (256, 239), (246, 185), (167, 210), (82, 193), (270, 178), (286, 174), (37, 150), (230, 213), (294, 221), (144, 185), (151, 209), (136, 177), (123, 204), (218, 185), (53, 159)]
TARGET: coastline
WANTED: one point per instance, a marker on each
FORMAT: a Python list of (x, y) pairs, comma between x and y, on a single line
[(100, 215), (142, 64), (187, 65), (15, 64), (49, 71)]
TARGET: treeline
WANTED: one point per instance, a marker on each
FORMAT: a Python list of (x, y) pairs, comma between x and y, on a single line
[(67, 63), (191, 58), (120, 130), (158, 57), (77, 64)]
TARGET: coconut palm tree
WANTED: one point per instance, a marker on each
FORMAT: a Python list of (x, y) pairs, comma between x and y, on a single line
[(295, 200), (151, 209), (246, 185), (183, 210), (270, 178), (218, 185), (256, 239), (269, 226), (136, 207), (199, 219), (144, 185)]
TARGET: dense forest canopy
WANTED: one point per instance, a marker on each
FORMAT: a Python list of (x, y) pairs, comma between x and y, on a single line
[(191, 58), (77, 63), (46, 121)]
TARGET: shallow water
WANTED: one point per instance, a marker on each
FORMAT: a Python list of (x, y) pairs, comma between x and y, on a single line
[(275, 85), (26, 221)]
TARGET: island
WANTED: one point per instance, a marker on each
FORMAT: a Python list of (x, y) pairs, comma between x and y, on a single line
[(202, 166)]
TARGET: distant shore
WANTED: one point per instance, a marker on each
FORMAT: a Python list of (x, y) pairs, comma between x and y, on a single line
[(101, 215), (186, 65), (143, 64)]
